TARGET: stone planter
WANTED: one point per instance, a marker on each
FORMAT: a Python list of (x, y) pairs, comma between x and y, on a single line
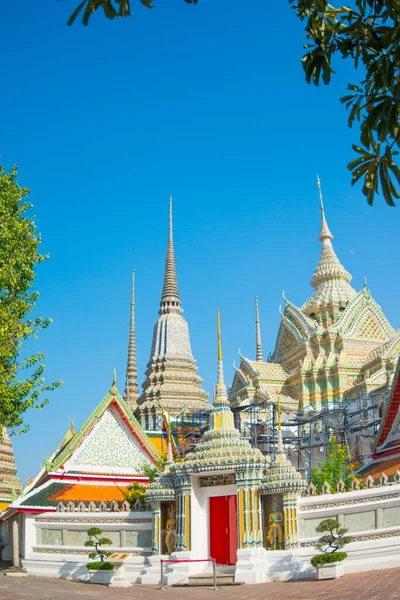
[(330, 571), (101, 577)]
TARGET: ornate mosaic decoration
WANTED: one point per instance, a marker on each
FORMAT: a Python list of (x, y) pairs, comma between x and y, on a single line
[(215, 480), (110, 445)]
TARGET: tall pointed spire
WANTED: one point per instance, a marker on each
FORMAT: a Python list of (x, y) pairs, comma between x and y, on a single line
[(259, 356), (324, 233), (331, 281), (220, 398), (131, 384), (171, 374), (170, 300)]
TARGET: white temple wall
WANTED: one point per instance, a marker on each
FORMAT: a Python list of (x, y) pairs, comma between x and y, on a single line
[(54, 541)]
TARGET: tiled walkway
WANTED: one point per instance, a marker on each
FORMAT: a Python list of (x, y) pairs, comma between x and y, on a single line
[(375, 585)]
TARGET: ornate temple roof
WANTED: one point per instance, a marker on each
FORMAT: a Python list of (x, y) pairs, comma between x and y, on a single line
[(331, 281), (131, 394), (116, 426), (171, 375), (282, 476)]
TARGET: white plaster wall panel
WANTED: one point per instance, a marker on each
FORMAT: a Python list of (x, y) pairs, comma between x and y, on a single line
[(360, 521)]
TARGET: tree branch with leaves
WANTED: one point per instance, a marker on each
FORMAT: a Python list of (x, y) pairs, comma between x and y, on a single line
[(22, 382), (112, 9), (368, 34)]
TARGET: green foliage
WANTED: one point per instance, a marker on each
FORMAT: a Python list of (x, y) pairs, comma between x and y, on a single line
[(335, 538), (94, 531), (151, 471), (333, 468), (325, 559), (97, 543), (100, 566), (367, 33), (112, 9), (21, 380), (135, 491)]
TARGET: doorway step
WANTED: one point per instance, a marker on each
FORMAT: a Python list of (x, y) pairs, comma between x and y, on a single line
[(206, 580)]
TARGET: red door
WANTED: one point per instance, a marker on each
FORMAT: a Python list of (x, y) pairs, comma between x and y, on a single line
[(223, 529)]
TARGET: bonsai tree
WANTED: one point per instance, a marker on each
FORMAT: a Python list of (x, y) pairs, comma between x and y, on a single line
[(96, 542), (329, 544)]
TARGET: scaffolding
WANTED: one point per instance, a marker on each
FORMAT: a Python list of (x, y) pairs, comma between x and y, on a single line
[(306, 437)]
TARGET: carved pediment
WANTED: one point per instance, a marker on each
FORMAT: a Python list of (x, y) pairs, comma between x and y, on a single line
[(287, 341)]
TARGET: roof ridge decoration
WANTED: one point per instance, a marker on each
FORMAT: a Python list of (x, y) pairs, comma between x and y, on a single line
[(391, 415), (259, 355), (131, 394), (170, 299), (331, 281), (112, 397)]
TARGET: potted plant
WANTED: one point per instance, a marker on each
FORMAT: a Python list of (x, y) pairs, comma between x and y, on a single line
[(102, 569), (329, 564)]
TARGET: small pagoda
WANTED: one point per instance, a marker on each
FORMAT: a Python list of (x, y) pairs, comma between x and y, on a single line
[(210, 504)]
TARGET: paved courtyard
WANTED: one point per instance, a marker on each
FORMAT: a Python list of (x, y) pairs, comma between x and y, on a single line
[(375, 585)]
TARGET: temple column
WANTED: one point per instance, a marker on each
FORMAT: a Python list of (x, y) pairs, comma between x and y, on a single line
[(15, 534), (183, 519), (249, 514), (155, 544), (290, 516)]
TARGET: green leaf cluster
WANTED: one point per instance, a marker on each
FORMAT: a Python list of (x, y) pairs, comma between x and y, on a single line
[(325, 559), (332, 469), (99, 553), (367, 33), (112, 9), (335, 536), (135, 492), (22, 382), (100, 566)]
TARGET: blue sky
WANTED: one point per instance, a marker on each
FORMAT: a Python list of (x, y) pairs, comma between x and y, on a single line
[(207, 103)]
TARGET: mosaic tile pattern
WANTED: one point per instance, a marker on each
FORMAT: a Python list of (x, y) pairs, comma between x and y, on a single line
[(110, 445)]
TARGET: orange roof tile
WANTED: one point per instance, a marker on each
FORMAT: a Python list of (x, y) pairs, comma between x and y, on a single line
[(377, 467), (90, 493)]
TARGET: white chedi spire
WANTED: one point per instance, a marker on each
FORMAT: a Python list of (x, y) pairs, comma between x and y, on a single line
[(171, 374), (330, 281)]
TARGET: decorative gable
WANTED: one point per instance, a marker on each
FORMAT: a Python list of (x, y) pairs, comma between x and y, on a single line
[(109, 447), (389, 425), (287, 342), (370, 329)]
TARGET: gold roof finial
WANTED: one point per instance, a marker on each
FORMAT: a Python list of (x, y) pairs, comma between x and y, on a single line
[(113, 388), (219, 336), (321, 202), (279, 413)]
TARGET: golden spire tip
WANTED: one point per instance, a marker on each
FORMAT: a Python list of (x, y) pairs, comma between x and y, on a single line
[(321, 202), (219, 336)]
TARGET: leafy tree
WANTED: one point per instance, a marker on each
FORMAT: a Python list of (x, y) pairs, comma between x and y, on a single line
[(153, 472), (329, 544), (332, 469), (111, 8), (368, 33), (135, 492), (99, 553), (21, 380), (334, 538)]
